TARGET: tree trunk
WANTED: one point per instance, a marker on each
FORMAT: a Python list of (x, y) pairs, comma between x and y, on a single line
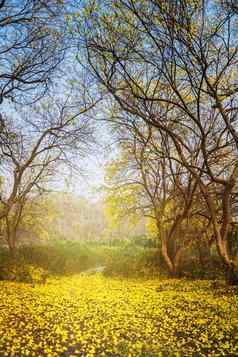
[(221, 234), (166, 257), (11, 240), (164, 250), (232, 275), (177, 261)]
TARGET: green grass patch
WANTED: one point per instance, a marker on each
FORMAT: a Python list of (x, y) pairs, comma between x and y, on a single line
[(67, 258)]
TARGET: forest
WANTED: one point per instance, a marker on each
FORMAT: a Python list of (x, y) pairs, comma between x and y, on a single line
[(118, 178)]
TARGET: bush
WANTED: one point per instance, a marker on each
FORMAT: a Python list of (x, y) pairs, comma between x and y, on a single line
[(133, 261), (127, 258), (57, 258), (144, 241), (16, 271)]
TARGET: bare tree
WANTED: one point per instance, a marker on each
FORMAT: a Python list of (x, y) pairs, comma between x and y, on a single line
[(173, 65), (33, 43), (36, 153), (163, 188)]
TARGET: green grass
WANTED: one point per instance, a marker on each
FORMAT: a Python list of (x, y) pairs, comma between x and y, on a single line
[(67, 258), (91, 315)]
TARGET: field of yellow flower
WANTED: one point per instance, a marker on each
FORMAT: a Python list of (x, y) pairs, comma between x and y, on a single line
[(91, 315)]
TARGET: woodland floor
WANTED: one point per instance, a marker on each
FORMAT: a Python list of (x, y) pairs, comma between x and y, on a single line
[(91, 315)]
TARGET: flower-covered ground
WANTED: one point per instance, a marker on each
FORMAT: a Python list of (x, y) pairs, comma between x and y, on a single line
[(97, 316)]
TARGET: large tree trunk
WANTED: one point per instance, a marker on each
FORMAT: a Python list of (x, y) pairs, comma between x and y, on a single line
[(11, 238), (221, 234), (231, 263), (165, 254), (12, 244), (232, 275), (164, 247), (172, 262)]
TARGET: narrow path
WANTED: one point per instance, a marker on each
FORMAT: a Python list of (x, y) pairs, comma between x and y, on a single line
[(98, 269)]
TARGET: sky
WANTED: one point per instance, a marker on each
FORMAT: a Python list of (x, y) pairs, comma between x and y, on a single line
[(89, 184)]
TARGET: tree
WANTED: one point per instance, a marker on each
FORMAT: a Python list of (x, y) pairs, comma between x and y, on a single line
[(36, 152), (146, 180), (173, 65)]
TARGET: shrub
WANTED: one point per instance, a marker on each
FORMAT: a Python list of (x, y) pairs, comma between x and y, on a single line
[(133, 261), (16, 271)]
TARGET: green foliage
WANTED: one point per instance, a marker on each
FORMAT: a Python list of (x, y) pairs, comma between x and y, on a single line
[(62, 258), (133, 261), (122, 258), (139, 257), (144, 241)]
